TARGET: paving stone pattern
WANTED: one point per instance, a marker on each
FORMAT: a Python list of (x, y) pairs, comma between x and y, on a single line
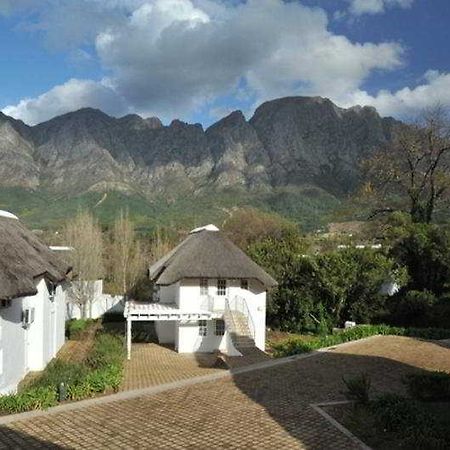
[(262, 409)]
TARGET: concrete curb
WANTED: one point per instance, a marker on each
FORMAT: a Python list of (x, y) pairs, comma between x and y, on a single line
[(318, 408), (153, 390)]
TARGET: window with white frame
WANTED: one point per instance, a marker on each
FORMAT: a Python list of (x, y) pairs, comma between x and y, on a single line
[(203, 286), (219, 327), (202, 328), (221, 287), (244, 284)]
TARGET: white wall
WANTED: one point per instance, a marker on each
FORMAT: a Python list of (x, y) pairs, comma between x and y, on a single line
[(12, 347), (186, 294), (101, 303), (165, 329), (24, 349)]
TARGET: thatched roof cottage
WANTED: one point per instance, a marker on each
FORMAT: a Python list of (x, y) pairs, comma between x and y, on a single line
[(209, 296), (32, 302)]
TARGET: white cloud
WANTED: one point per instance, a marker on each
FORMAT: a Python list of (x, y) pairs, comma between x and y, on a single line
[(407, 102), (70, 96), (360, 7), (170, 57)]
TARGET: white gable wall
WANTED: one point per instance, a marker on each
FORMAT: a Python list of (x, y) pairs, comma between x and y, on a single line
[(186, 294), (12, 348), (31, 348)]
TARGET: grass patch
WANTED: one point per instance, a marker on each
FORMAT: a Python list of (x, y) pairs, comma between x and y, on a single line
[(293, 346)]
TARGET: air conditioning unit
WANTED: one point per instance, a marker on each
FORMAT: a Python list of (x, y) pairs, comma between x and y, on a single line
[(27, 316)]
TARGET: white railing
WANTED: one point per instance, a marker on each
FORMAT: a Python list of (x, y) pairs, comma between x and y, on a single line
[(239, 304)]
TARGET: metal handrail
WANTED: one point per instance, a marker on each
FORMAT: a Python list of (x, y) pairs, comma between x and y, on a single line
[(240, 305)]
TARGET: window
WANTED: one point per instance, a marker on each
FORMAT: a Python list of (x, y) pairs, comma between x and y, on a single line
[(220, 327), (221, 287), (51, 291), (5, 303), (202, 328), (203, 286), (244, 284)]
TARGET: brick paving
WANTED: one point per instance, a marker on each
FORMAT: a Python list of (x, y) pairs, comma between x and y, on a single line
[(261, 409), (152, 364)]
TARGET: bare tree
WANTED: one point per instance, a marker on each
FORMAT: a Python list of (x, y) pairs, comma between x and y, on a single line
[(127, 256), (414, 166), (84, 235), (160, 245)]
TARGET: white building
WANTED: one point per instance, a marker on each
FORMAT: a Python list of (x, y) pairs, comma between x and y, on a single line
[(32, 303), (210, 296)]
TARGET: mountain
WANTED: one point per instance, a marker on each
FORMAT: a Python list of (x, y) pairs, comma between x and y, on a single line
[(290, 145)]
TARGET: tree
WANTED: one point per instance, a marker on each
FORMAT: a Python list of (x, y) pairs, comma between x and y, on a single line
[(249, 225), (127, 256), (84, 235), (415, 166), (425, 251)]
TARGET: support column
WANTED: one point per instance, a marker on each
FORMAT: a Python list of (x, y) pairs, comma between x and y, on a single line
[(129, 322)]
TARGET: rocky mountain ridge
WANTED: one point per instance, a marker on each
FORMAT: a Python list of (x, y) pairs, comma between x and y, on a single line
[(293, 141)]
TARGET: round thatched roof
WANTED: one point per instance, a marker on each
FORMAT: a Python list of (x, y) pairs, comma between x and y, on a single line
[(207, 254), (23, 258)]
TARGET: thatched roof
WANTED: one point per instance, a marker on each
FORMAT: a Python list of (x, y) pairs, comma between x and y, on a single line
[(207, 254), (23, 258)]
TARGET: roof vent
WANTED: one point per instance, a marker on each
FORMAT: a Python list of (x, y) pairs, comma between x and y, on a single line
[(8, 215), (209, 227)]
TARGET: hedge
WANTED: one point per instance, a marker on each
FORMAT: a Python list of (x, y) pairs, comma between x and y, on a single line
[(295, 346), (102, 371)]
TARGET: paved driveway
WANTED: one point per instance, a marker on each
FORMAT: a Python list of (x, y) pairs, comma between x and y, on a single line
[(262, 409)]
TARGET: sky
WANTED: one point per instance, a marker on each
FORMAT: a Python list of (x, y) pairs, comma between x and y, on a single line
[(198, 60)]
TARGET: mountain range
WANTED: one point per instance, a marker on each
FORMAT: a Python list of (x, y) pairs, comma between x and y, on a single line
[(293, 145)]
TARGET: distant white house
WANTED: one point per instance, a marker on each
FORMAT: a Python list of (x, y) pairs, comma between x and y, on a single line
[(210, 296), (32, 302)]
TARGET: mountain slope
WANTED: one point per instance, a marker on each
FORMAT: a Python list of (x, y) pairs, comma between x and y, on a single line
[(289, 147)]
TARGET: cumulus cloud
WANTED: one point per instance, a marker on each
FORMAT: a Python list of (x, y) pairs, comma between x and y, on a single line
[(407, 102), (171, 57), (360, 7), (70, 96)]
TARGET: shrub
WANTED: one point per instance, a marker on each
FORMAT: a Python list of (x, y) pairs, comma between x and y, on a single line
[(429, 386), (358, 388), (108, 350), (396, 413), (76, 327), (417, 428), (34, 398), (413, 308), (58, 371), (102, 370), (296, 346)]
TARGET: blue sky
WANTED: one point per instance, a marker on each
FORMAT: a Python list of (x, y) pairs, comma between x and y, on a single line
[(200, 59)]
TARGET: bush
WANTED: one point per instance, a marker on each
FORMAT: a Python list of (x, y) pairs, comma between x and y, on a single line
[(34, 398), (396, 413), (358, 388), (429, 386), (410, 421), (58, 372), (413, 308), (76, 327), (102, 370), (108, 350), (296, 346)]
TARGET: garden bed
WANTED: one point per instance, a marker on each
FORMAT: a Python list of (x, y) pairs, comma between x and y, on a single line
[(100, 372), (304, 344), (392, 421), (363, 423)]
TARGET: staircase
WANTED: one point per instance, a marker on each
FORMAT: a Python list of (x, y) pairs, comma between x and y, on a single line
[(237, 325)]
